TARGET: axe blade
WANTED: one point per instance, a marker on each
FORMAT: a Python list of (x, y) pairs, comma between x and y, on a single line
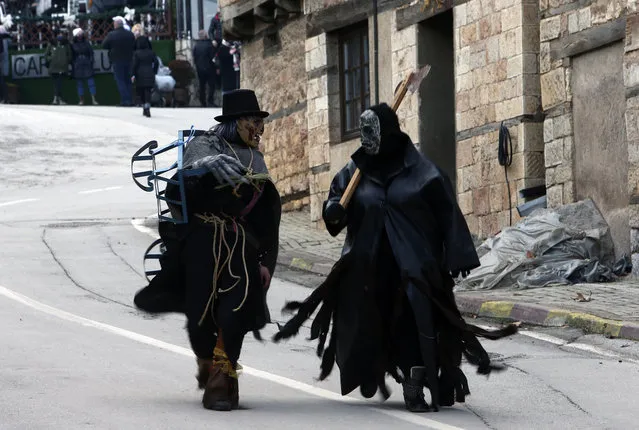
[(417, 77)]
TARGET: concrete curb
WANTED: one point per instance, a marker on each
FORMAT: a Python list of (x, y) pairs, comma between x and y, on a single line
[(304, 261), (545, 316)]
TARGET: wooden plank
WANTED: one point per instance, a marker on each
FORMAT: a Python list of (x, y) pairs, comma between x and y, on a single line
[(417, 13), (588, 40)]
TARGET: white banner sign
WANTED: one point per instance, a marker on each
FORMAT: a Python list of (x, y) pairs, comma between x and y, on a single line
[(31, 66)]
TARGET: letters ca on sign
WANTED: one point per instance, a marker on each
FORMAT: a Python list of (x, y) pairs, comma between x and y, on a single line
[(30, 66)]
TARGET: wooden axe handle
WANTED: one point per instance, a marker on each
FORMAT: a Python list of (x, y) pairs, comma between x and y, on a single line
[(357, 176)]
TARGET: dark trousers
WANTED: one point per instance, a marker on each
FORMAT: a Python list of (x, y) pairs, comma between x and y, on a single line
[(122, 75), (3, 89), (207, 78), (57, 83), (144, 93)]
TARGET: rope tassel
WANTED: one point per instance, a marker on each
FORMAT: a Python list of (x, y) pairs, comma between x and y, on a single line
[(219, 241)]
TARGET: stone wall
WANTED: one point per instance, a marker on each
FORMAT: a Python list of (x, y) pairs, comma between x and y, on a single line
[(561, 18), (575, 36), (631, 80), (273, 66), (404, 56), (496, 44), (322, 91)]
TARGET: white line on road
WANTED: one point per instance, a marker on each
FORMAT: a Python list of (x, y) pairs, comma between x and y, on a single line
[(15, 202), (138, 224), (567, 344), (98, 190), (281, 380)]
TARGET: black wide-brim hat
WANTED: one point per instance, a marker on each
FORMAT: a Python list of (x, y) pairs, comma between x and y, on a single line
[(240, 103)]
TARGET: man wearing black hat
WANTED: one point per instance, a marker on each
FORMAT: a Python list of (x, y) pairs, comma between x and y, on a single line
[(218, 268)]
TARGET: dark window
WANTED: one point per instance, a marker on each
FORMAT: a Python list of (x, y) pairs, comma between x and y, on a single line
[(354, 78)]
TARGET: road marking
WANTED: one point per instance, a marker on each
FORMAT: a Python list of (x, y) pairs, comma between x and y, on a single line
[(15, 202), (138, 224), (567, 344), (281, 380), (98, 190)]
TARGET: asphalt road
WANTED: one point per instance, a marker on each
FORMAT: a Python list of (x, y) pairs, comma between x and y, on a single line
[(76, 353)]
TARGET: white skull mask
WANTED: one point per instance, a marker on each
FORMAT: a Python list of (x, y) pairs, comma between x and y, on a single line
[(370, 132)]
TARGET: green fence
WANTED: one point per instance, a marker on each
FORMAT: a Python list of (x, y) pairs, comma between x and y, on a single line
[(40, 90)]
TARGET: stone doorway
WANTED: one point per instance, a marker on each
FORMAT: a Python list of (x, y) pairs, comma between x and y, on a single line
[(437, 93), (601, 151)]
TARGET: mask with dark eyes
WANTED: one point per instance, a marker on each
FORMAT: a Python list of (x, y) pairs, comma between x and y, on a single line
[(250, 130), (370, 132)]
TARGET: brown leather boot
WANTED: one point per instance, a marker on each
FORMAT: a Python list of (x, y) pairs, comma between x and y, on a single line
[(203, 372), (217, 393)]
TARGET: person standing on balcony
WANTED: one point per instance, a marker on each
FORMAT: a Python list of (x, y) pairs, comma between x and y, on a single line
[(145, 67), (203, 56), (58, 57), (83, 65), (120, 43)]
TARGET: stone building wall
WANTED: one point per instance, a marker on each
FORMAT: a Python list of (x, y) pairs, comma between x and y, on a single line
[(321, 89), (561, 18), (497, 80), (274, 67), (586, 150), (404, 55), (631, 80)]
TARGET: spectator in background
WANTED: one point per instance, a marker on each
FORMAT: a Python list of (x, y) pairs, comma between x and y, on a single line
[(228, 61), (137, 30), (145, 67), (58, 57), (4, 34), (82, 53), (203, 56), (215, 29), (120, 43)]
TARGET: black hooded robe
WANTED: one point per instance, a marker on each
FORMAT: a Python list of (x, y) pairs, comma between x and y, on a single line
[(390, 296), (185, 282)]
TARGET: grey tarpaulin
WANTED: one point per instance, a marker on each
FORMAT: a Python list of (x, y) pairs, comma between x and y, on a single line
[(567, 245)]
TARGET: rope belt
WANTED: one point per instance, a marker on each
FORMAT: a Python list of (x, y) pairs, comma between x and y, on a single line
[(220, 225)]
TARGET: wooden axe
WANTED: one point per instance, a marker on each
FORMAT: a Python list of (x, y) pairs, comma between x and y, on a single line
[(410, 83)]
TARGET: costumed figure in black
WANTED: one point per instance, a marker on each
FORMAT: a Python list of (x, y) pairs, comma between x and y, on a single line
[(217, 267), (390, 296)]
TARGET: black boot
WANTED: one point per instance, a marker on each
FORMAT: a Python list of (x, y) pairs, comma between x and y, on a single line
[(414, 396), (146, 112)]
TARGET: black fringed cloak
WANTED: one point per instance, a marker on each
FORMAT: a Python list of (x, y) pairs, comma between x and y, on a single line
[(408, 199), (167, 291)]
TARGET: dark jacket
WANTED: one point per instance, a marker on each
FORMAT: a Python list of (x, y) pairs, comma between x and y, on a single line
[(2, 37), (120, 43), (215, 29), (203, 55), (145, 66), (58, 57), (225, 62), (82, 59)]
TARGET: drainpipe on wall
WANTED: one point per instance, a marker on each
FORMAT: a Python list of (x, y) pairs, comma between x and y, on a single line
[(375, 51)]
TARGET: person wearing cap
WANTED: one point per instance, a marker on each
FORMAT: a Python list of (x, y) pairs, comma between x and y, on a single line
[(121, 43), (82, 65), (217, 267)]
